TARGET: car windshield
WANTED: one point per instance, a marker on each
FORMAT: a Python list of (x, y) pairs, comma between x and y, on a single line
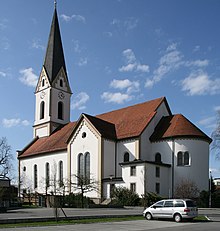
[(190, 203)]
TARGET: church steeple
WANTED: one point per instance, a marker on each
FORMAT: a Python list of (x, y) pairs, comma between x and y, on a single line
[(54, 58), (53, 90)]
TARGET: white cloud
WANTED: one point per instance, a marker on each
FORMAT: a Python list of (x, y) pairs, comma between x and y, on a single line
[(127, 24), (196, 48), (117, 97), (79, 101), (75, 17), (8, 123), (130, 86), (28, 77), (198, 63), (2, 74), (132, 63), (199, 83), (217, 108), (82, 62)]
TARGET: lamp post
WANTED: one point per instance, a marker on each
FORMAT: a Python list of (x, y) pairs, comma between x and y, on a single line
[(210, 189)]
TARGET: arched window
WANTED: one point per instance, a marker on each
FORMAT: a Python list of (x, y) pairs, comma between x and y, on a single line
[(158, 158), (126, 157), (186, 158), (61, 83), (47, 170), (179, 159), (43, 82), (87, 167), (60, 110), (35, 176), (61, 173), (42, 109), (80, 165)]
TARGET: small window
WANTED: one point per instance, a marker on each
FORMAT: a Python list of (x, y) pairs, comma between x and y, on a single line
[(157, 171), (24, 168), (159, 204), (60, 110), (157, 187), (133, 171), (43, 82), (133, 187), (158, 158), (126, 157), (186, 158), (179, 158), (84, 135), (61, 83)]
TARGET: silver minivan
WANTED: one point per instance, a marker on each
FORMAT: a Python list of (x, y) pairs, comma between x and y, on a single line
[(176, 209)]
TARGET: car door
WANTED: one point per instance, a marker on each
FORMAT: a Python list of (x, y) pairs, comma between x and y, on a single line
[(156, 209), (167, 210)]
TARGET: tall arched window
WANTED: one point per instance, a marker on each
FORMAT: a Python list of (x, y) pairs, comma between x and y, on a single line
[(80, 165), (61, 173), (126, 157), (60, 110), (47, 170), (158, 158), (186, 158), (179, 158), (35, 176), (42, 110), (87, 167)]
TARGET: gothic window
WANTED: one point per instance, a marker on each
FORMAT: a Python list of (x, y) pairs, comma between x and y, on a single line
[(61, 173), (42, 109), (158, 157), (60, 110), (47, 175), (87, 167), (35, 176), (61, 83), (126, 157)]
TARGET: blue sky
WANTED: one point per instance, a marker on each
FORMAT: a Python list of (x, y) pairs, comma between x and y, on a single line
[(118, 53)]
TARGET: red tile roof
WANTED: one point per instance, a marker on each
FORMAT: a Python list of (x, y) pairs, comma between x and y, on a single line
[(177, 126), (57, 141)]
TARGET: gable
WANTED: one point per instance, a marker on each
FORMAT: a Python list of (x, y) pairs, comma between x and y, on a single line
[(43, 81)]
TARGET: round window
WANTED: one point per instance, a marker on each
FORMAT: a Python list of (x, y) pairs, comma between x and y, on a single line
[(83, 135)]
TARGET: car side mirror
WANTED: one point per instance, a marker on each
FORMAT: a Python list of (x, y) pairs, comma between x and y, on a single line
[(154, 207)]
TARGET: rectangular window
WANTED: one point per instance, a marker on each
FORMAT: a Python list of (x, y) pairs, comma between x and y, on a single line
[(157, 171), (157, 187), (133, 171), (133, 187)]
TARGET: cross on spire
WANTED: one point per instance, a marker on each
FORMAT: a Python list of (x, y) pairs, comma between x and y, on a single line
[(55, 4)]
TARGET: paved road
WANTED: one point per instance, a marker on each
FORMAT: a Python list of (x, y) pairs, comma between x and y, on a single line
[(141, 225)]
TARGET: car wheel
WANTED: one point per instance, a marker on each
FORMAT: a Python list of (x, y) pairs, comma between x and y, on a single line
[(177, 217), (148, 216)]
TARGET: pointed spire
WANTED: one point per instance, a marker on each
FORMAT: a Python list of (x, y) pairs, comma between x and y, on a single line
[(54, 59)]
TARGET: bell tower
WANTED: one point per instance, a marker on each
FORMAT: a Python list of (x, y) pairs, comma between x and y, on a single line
[(53, 91)]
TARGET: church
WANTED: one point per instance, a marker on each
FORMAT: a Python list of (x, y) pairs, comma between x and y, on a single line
[(143, 147)]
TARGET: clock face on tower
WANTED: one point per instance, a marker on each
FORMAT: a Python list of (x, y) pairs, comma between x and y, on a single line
[(61, 95), (42, 94)]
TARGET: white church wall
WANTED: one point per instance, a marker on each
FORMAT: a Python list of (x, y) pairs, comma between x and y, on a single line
[(198, 169), (83, 145), (109, 158), (146, 146), (123, 147), (27, 176)]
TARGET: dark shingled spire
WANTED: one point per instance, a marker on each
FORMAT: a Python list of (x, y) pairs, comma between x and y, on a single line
[(54, 58)]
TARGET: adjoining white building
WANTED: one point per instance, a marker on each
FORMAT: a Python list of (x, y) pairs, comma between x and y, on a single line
[(143, 147)]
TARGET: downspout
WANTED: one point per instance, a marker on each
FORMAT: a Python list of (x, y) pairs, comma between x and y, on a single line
[(172, 168)]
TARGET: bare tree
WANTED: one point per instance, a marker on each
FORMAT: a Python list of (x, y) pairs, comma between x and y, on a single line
[(186, 189), (215, 146), (5, 158), (84, 185)]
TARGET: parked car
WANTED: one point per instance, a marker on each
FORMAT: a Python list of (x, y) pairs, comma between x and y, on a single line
[(176, 209)]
